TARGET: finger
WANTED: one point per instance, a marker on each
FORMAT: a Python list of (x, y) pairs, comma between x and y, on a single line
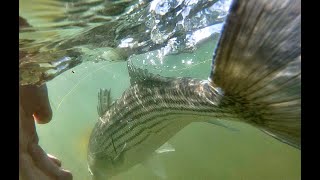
[(43, 112), (54, 159), (66, 175), (36, 103), (28, 171), (42, 161), (25, 168), (27, 129)]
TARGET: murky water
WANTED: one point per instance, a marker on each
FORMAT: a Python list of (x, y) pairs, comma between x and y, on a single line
[(201, 150)]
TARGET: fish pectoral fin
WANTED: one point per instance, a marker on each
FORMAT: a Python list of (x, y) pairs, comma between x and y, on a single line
[(165, 148), (156, 166), (218, 123), (104, 101)]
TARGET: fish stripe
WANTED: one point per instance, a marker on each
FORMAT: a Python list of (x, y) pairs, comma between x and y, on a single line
[(151, 114)]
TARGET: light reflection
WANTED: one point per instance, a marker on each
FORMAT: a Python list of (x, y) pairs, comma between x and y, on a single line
[(222, 7), (125, 42), (204, 33), (189, 62)]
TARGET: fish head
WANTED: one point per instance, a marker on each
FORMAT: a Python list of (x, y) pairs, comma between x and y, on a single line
[(104, 161), (100, 169), (103, 166)]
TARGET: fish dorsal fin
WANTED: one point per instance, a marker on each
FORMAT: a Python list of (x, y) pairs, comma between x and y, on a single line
[(140, 76), (104, 101), (258, 62)]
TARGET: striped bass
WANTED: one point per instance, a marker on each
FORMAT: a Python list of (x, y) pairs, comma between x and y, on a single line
[(255, 78)]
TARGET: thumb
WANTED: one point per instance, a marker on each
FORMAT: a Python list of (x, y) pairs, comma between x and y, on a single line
[(35, 102)]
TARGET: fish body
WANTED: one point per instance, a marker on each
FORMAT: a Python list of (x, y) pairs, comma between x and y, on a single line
[(136, 124), (255, 78)]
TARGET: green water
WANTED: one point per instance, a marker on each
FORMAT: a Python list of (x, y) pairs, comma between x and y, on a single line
[(202, 151)]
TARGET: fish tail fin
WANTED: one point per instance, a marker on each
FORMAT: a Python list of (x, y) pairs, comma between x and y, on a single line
[(258, 64), (104, 101)]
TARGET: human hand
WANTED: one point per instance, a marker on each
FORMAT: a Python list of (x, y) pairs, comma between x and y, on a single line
[(34, 163)]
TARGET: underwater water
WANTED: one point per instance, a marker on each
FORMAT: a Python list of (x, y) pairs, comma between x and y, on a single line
[(201, 150), (74, 47)]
